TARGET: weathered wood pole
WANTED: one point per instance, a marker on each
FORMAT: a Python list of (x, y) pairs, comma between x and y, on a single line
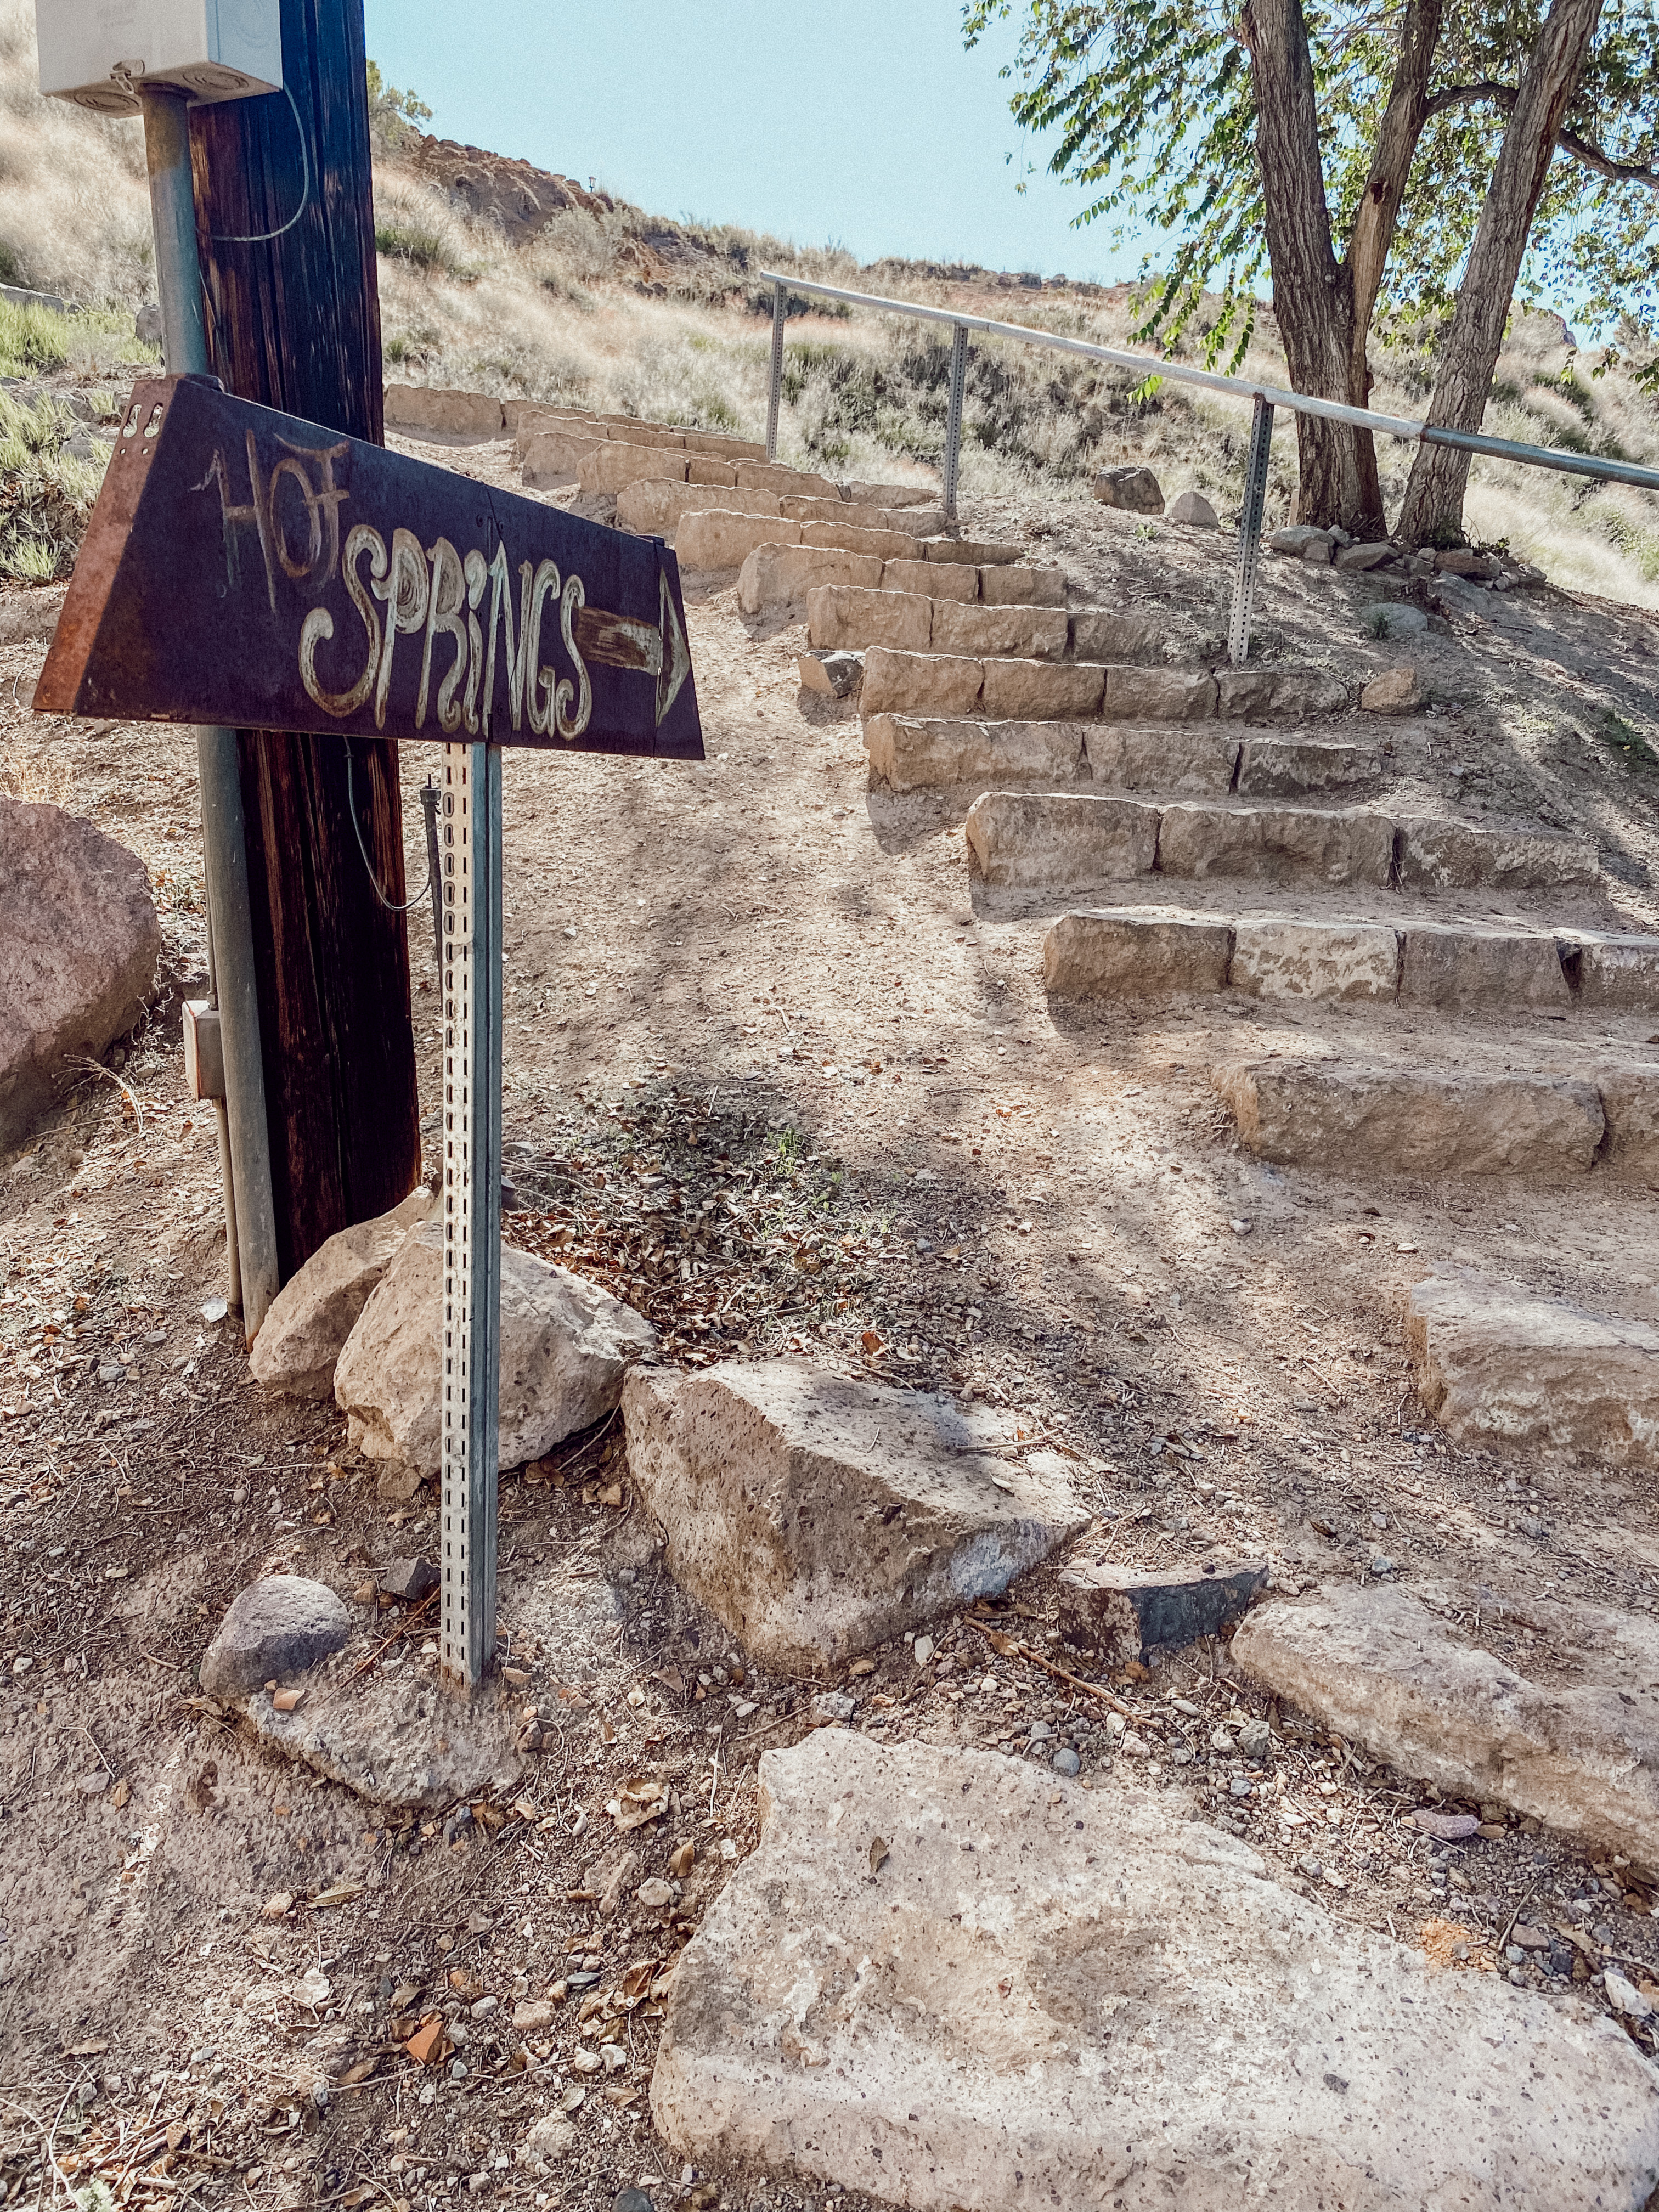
[(286, 231)]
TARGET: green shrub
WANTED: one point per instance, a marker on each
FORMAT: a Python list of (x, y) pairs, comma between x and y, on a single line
[(46, 492)]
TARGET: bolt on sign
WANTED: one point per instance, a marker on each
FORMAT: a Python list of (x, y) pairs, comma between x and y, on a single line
[(247, 570)]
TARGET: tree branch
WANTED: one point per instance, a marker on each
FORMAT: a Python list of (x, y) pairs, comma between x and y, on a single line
[(1582, 151)]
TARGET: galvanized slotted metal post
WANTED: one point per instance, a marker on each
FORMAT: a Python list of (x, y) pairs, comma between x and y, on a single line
[(775, 389), (469, 1350), (1250, 531), (244, 1136), (953, 417)]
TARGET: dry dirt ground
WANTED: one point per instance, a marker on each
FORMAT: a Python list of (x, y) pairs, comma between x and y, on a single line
[(776, 1074)]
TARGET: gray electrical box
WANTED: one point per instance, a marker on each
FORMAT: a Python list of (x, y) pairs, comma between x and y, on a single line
[(97, 53)]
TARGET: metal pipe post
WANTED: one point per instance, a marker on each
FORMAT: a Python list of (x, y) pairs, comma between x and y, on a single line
[(250, 1214), (775, 389), (953, 417), (1250, 531), (470, 1342), (431, 800)]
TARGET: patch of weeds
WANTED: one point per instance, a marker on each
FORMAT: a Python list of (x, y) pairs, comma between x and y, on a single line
[(1377, 622), (46, 492), (424, 246), (1618, 736)]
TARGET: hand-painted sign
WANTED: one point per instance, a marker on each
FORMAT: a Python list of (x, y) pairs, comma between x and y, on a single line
[(245, 569)]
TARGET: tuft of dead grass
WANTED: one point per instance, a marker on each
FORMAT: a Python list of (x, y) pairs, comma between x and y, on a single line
[(47, 487)]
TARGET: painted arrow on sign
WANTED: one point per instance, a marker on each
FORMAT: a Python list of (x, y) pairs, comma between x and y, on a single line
[(247, 570)]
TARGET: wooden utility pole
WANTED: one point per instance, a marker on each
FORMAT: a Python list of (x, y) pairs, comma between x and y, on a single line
[(286, 231)]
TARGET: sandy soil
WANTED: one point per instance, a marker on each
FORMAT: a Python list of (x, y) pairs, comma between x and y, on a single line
[(775, 1072)]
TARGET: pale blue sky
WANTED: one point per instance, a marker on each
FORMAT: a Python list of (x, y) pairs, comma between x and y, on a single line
[(863, 121)]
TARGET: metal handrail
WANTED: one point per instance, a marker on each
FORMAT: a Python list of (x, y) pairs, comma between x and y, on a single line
[(1265, 398)]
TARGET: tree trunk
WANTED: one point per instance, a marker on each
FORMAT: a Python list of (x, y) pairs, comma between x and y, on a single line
[(1379, 213), (1433, 512), (294, 320), (1313, 294)]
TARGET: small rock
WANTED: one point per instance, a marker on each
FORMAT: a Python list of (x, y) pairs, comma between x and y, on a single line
[(1449, 1827), (215, 1309), (300, 1338), (1529, 1938), (278, 1907), (923, 1650), (534, 2016), (834, 1705), (1136, 488), (1359, 558), (1041, 1732), (485, 2007), (550, 2140), (147, 323), (632, 2200), (1295, 538), (279, 1626), (1396, 691), (1395, 622), (1623, 1997), (837, 675), (409, 1579), (613, 2057), (1255, 1742), (656, 1895), (1114, 1614), (682, 1860), (1067, 1762), (1192, 506)]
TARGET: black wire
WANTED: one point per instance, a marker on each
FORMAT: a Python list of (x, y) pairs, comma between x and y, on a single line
[(351, 802)]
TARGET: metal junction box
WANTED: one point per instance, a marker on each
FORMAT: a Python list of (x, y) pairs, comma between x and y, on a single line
[(96, 51)]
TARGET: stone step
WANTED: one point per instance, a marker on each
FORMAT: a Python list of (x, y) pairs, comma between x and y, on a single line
[(611, 466), (911, 752), (947, 1978), (1499, 1364), (1131, 952), (898, 682), (840, 616), (714, 537), (777, 576), (1467, 1121), (1055, 841)]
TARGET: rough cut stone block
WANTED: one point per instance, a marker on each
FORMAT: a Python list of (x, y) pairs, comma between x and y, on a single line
[(611, 466), (1630, 1102), (921, 684), (1045, 1996), (1036, 632), (818, 1514), (565, 1344), (414, 409), (1134, 952), (1116, 1614), (1290, 768), (934, 580), (912, 753), (1098, 634), (977, 552), (1136, 488), (782, 575), (724, 447), (1057, 842), (712, 537), (1174, 759), (1344, 961), (1396, 691), (1278, 695), (1464, 964), (275, 1628), (552, 457), (892, 495), (79, 941), (885, 545), (1277, 844), (703, 469), (302, 1335), (1411, 1122), (1498, 1363), (1612, 971), (843, 615), (1035, 689), (768, 476), (1378, 1666), (1460, 855), (1015, 587), (654, 507), (1158, 695)]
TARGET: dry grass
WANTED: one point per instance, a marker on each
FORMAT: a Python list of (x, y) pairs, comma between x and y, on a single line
[(629, 314), (50, 473)]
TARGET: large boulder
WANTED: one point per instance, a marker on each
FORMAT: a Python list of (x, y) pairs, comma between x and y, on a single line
[(1136, 488), (303, 1333), (946, 1980), (817, 1515), (1578, 1750), (275, 1628), (565, 1346), (79, 941)]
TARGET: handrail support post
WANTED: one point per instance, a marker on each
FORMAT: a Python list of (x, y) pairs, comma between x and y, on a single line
[(774, 387), (1250, 531), (953, 417)]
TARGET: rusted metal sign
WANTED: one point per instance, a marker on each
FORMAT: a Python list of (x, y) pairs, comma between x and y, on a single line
[(246, 568)]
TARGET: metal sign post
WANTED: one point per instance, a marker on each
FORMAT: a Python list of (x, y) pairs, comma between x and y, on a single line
[(247, 570), (470, 845), (1250, 531)]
